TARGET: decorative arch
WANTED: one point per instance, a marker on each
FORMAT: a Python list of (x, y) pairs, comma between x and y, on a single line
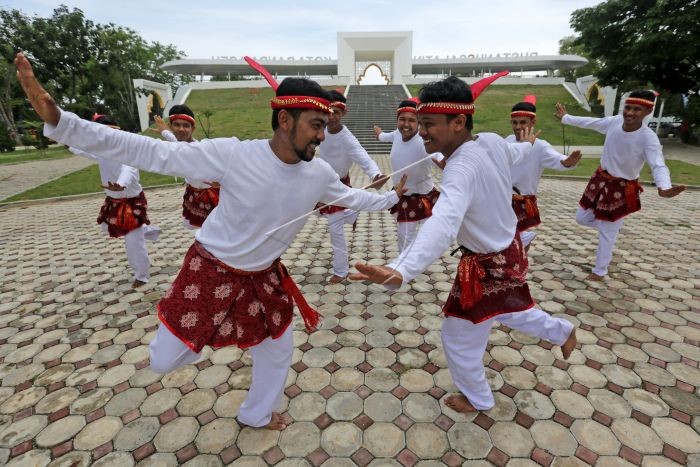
[(369, 66)]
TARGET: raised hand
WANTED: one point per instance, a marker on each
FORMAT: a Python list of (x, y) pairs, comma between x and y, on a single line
[(675, 190), (560, 111), (529, 135), (160, 127), (41, 101), (400, 188), (573, 159), (378, 181), (377, 274), (113, 186), (377, 131)]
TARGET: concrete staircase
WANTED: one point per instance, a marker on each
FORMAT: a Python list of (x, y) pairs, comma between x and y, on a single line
[(369, 106)]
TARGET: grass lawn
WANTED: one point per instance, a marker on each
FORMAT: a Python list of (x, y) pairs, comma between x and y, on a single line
[(28, 155), (682, 173), (494, 105), (85, 180)]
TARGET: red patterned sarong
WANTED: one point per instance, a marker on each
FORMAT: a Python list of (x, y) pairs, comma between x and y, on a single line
[(122, 215), (525, 207), (331, 208), (490, 284), (197, 203), (415, 207), (211, 303), (611, 198)]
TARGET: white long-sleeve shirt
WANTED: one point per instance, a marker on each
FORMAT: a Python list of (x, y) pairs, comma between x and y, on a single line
[(170, 136), (341, 149), (404, 153), (474, 207), (527, 172), (263, 202), (624, 152), (115, 172)]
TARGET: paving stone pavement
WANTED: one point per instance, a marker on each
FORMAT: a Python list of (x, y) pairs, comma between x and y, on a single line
[(368, 388), (17, 178)]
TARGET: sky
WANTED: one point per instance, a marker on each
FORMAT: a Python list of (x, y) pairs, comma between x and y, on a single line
[(213, 28)]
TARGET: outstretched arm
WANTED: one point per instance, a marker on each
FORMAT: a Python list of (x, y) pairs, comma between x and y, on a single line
[(205, 161), (600, 125)]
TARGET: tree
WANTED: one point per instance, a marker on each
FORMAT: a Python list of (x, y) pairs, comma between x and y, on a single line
[(85, 66), (568, 46), (638, 42)]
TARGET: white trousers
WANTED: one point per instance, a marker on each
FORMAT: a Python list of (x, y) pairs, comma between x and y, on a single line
[(464, 344), (136, 251), (271, 361), (527, 236), (336, 226), (406, 233), (607, 234)]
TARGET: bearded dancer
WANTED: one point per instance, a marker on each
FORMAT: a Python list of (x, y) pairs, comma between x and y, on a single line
[(475, 209), (527, 172), (200, 197), (407, 149), (341, 149), (124, 212), (232, 288), (613, 190)]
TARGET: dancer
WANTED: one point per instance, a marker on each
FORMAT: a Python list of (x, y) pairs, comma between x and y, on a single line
[(200, 197), (475, 209), (232, 288), (407, 149), (124, 212), (613, 190), (341, 149), (526, 173)]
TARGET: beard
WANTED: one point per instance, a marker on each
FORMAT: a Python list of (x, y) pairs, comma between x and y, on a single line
[(301, 153)]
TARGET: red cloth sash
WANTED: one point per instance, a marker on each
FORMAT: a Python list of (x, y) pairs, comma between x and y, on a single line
[(122, 215), (327, 209), (211, 303), (415, 207), (611, 198), (490, 284), (198, 203), (525, 207)]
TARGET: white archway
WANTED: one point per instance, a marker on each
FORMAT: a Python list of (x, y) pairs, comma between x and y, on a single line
[(372, 74)]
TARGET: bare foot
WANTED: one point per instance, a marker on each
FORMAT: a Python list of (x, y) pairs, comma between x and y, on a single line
[(137, 283), (335, 279), (595, 277), (569, 345), (278, 422), (459, 403)]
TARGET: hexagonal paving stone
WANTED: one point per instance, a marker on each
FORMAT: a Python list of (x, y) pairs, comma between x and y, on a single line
[(384, 440), (196, 402), (347, 379), (511, 438), (596, 437), (136, 433), (639, 437), (344, 406), (341, 439), (227, 405), (217, 435), (553, 438), (160, 401), (22, 430), (176, 434), (300, 439), (382, 407), (469, 440), (572, 404), (307, 406), (381, 379), (427, 441), (420, 407), (97, 433)]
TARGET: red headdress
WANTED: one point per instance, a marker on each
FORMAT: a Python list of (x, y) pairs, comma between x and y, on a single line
[(185, 117), (643, 102), (289, 102), (409, 108), (456, 108), (520, 110)]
